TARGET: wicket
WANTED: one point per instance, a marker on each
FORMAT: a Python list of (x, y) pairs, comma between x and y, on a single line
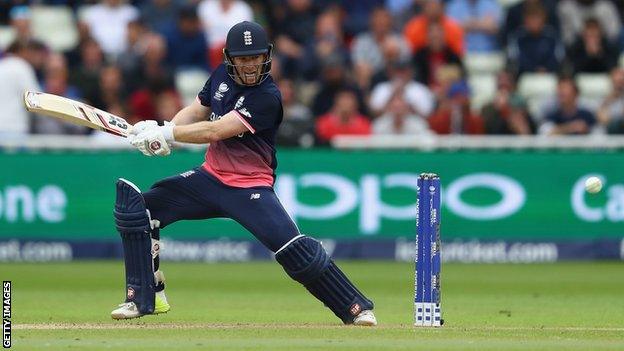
[(427, 309)]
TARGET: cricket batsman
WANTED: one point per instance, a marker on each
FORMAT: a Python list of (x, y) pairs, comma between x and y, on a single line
[(237, 112)]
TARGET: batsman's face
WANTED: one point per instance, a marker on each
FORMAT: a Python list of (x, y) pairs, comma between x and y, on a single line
[(249, 68)]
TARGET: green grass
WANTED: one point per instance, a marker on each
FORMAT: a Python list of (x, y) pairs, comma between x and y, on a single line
[(254, 306)]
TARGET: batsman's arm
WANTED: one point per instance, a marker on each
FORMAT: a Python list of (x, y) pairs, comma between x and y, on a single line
[(210, 131), (192, 113)]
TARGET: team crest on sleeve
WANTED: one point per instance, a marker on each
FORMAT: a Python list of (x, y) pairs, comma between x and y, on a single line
[(247, 37), (220, 91)]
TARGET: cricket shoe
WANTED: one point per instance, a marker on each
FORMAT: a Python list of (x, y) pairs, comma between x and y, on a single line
[(129, 310), (365, 318)]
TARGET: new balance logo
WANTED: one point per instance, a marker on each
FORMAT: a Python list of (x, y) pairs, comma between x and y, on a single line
[(254, 196), (187, 174), (247, 37)]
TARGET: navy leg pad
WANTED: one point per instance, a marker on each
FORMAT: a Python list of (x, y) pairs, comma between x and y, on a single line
[(306, 261), (133, 224)]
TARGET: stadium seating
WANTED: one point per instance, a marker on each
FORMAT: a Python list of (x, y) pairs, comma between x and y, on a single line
[(482, 88), (189, 83), (479, 63), (595, 86), (6, 36), (508, 3), (537, 88), (55, 26)]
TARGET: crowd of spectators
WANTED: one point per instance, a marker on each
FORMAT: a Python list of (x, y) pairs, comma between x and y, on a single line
[(362, 67)]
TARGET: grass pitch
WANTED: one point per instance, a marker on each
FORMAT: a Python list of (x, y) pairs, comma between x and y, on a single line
[(254, 306)]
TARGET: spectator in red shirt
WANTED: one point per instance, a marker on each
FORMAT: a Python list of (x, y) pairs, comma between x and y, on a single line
[(343, 118), (416, 29), (454, 116)]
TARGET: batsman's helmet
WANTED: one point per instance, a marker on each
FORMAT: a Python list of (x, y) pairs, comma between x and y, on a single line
[(247, 39)]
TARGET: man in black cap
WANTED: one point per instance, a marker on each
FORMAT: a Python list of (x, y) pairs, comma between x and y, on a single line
[(236, 181)]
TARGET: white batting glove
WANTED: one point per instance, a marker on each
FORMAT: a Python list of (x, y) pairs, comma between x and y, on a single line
[(154, 141), (142, 126)]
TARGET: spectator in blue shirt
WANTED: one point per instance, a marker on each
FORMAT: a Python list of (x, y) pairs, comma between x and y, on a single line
[(160, 15), (569, 117), (480, 20), (357, 14), (186, 43), (535, 47), (515, 14)]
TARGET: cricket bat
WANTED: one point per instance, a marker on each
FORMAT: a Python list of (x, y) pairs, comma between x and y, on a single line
[(75, 112)]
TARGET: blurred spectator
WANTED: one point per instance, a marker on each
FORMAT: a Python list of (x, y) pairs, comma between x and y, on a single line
[(535, 47), (293, 27), (186, 43), (368, 48), (161, 15), (391, 51), (276, 68), (327, 43), (130, 59), (20, 22), (86, 74), (515, 17), (445, 77), (55, 82), (357, 14), (507, 113), (17, 76), (592, 52), (153, 62), (333, 80), (419, 99), (342, 119), (480, 20), (569, 117), (217, 17), (453, 114), (168, 103), (144, 103), (399, 119), (434, 55), (153, 78), (416, 29), (5, 8), (611, 111), (403, 10), (573, 13), (620, 7), (108, 22), (37, 57), (151, 65), (398, 6), (110, 93), (297, 128)]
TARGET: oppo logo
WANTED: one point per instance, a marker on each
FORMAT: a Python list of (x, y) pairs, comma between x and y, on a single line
[(21, 203), (512, 194), (365, 197)]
